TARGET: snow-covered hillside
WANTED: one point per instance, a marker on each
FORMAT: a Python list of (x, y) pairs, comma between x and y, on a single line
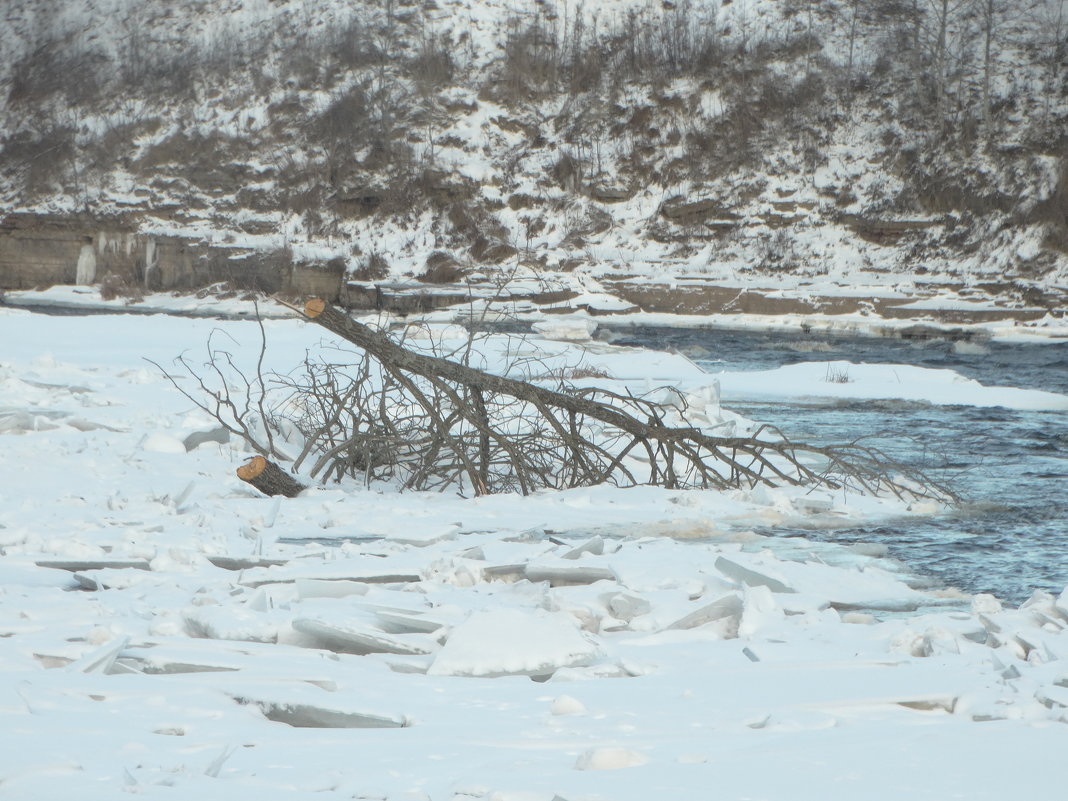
[(832, 145)]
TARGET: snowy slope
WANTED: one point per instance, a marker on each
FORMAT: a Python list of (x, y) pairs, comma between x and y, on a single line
[(754, 143)]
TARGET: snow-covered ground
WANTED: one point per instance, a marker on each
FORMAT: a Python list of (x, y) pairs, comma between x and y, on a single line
[(165, 631)]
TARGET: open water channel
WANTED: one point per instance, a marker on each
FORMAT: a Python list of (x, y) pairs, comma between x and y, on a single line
[(1010, 537)]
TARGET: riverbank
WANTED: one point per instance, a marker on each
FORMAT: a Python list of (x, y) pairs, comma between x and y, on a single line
[(938, 313)]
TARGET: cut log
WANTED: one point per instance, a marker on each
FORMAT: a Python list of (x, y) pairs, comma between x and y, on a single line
[(269, 478)]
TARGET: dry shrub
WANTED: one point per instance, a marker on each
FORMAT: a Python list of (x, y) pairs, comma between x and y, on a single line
[(1054, 213), (44, 157), (115, 286), (373, 268), (441, 268)]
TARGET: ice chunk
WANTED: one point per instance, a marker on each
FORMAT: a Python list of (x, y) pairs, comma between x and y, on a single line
[(506, 642), (753, 578), (567, 329), (594, 545), (214, 623), (759, 610), (728, 609), (566, 705), (1052, 696), (82, 565), (1061, 603), (362, 572), (243, 562), (624, 606), (507, 573), (405, 621), (610, 759), (422, 537), (312, 716), (100, 660), (985, 604), (563, 575), (937, 641), (356, 639), (1040, 599), (329, 588)]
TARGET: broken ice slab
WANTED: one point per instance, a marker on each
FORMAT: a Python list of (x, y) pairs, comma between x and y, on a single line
[(507, 573), (884, 605), (82, 565), (407, 664), (87, 582), (813, 504), (311, 716), (329, 588), (536, 534), (594, 545), (243, 562), (114, 579), (374, 578), (140, 660), (1052, 696), (335, 540), (1061, 603), (729, 607), (514, 642), (179, 655), (400, 621), (422, 537), (230, 623), (625, 606), (753, 578), (564, 575), (356, 639), (367, 571), (99, 660)]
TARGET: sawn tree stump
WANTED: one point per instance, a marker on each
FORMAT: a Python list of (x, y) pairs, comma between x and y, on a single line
[(269, 478)]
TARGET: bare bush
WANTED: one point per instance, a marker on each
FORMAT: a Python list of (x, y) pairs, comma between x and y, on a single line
[(115, 286), (41, 158), (80, 74), (441, 268), (373, 268)]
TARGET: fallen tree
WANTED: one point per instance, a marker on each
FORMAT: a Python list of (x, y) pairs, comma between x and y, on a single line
[(589, 436), (424, 421)]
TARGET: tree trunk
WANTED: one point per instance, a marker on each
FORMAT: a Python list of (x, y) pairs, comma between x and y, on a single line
[(269, 478)]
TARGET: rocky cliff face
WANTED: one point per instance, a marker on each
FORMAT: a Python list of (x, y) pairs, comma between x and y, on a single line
[(837, 144)]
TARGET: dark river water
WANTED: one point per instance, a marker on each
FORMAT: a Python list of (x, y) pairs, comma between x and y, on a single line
[(1010, 536)]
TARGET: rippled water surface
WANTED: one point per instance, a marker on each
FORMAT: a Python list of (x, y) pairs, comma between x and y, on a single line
[(1011, 537)]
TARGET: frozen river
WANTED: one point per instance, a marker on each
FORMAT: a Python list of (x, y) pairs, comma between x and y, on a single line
[(167, 632), (1011, 536)]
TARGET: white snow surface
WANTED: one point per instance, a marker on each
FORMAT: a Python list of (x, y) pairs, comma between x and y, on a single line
[(379, 645)]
